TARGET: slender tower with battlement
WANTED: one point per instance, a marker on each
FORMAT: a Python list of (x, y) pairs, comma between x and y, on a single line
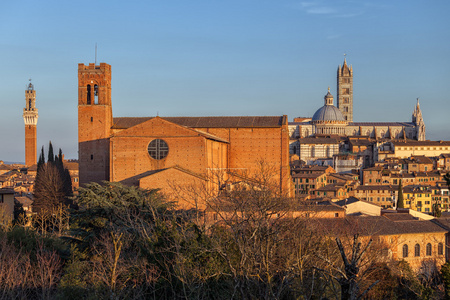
[(345, 91), (30, 118)]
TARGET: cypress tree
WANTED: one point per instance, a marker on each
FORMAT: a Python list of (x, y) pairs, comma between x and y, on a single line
[(53, 184), (51, 157), (400, 201), (41, 160)]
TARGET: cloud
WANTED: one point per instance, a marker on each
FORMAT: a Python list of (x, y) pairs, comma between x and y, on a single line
[(321, 10), (338, 9), (334, 36)]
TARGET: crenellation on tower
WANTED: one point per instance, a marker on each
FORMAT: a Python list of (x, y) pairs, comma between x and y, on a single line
[(30, 118)]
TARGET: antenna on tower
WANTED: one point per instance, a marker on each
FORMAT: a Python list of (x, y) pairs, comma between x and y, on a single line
[(95, 53)]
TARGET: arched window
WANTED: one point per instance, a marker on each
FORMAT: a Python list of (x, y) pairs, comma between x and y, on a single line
[(428, 252), (368, 132), (405, 250), (96, 94), (440, 249), (354, 132), (88, 98), (382, 134), (417, 250), (306, 132)]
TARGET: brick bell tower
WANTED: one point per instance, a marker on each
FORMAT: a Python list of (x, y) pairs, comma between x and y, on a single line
[(94, 121), (30, 118)]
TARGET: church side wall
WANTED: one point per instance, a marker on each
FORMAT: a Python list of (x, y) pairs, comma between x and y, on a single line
[(249, 147)]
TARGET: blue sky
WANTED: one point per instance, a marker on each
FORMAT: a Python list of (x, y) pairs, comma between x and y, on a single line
[(213, 58)]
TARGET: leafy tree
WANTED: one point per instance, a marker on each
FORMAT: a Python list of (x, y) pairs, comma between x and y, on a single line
[(112, 207), (445, 273), (447, 179), (437, 210), (400, 200)]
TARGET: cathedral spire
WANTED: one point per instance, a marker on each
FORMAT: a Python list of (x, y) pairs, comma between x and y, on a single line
[(417, 119)]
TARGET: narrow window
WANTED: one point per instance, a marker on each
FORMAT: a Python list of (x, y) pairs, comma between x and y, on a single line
[(88, 94), (96, 94), (417, 250), (29, 106), (92, 156), (428, 249), (92, 119), (440, 249), (405, 250)]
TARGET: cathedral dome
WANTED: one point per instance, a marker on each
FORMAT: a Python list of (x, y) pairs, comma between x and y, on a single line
[(328, 113)]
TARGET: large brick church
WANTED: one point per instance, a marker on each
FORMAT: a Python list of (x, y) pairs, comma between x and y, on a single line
[(168, 152)]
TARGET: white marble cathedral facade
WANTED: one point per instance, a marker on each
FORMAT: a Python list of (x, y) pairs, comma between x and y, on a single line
[(332, 121)]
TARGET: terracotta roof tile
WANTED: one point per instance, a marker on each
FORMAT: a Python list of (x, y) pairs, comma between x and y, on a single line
[(207, 122), (319, 140), (377, 225)]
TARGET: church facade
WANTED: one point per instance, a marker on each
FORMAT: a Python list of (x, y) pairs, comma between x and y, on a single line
[(173, 152)]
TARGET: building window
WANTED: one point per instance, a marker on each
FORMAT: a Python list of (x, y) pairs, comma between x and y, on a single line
[(428, 252), (440, 249), (96, 94), (158, 149), (336, 215), (88, 98), (405, 250), (417, 250)]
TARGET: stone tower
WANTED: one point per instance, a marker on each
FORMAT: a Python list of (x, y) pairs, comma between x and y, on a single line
[(417, 119), (94, 121), (345, 91), (30, 118)]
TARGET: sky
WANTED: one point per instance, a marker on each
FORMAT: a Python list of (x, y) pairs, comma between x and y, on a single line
[(222, 58)]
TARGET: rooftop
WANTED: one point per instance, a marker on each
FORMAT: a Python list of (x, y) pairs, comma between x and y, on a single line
[(207, 122)]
